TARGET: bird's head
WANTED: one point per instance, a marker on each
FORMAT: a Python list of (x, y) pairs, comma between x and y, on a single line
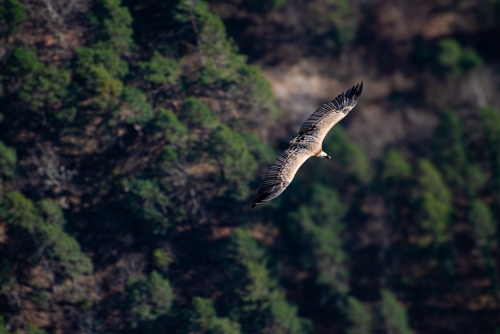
[(324, 155)]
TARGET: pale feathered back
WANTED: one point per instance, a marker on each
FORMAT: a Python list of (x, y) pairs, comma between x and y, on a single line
[(307, 144)]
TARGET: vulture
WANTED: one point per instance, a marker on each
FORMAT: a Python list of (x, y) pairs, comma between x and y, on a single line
[(307, 144)]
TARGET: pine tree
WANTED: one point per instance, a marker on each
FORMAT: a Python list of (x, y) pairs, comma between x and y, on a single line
[(49, 234), (148, 202), (205, 319), (231, 154), (161, 70), (358, 316), (12, 14), (262, 305), (394, 314), (196, 115), (490, 119), (433, 200), (452, 59), (350, 161), (394, 167), (318, 229), (483, 224), (149, 299), (135, 108), (8, 160)]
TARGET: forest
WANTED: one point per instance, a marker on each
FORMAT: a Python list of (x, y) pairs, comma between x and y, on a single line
[(135, 134)]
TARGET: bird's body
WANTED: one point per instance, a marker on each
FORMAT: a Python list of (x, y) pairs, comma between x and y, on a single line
[(307, 144)]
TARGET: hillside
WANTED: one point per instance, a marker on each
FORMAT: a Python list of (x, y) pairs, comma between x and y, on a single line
[(134, 135)]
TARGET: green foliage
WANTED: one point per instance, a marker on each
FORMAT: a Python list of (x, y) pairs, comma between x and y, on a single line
[(219, 59), (65, 250), (254, 87), (476, 178), (246, 252), (286, 321), (161, 293), (3, 326), (102, 69), (8, 160), (261, 298), (349, 159), (244, 248), (135, 108), (58, 244), (87, 58), (14, 13), (205, 319), (231, 153), (105, 86), (47, 89), (205, 313), (470, 59), (335, 21), (24, 62), (394, 167), (32, 329), (161, 258), (394, 314), (319, 230), (117, 25), (434, 201), (161, 70), (150, 298), (7, 277), (221, 67), (52, 212), (66, 114), (22, 212), (262, 152), (226, 326), (490, 119), (50, 235), (449, 56), (148, 202), (449, 148), (452, 59), (326, 208), (483, 224), (358, 316), (168, 125), (197, 115)]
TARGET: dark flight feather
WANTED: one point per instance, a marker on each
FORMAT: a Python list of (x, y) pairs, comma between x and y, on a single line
[(342, 103), (273, 185)]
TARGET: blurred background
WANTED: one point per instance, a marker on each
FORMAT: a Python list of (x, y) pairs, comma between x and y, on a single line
[(135, 134)]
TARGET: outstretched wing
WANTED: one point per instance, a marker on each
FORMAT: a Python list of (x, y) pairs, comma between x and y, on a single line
[(329, 114), (281, 173), (316, 127)]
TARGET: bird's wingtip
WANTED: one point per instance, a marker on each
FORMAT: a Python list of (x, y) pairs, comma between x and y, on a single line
[(355, 91), (358, 88)]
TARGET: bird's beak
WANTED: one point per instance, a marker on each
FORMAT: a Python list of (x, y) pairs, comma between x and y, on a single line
[(329, 157)]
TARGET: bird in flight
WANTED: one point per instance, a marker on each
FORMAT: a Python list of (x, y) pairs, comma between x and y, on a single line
[(307, 144)]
